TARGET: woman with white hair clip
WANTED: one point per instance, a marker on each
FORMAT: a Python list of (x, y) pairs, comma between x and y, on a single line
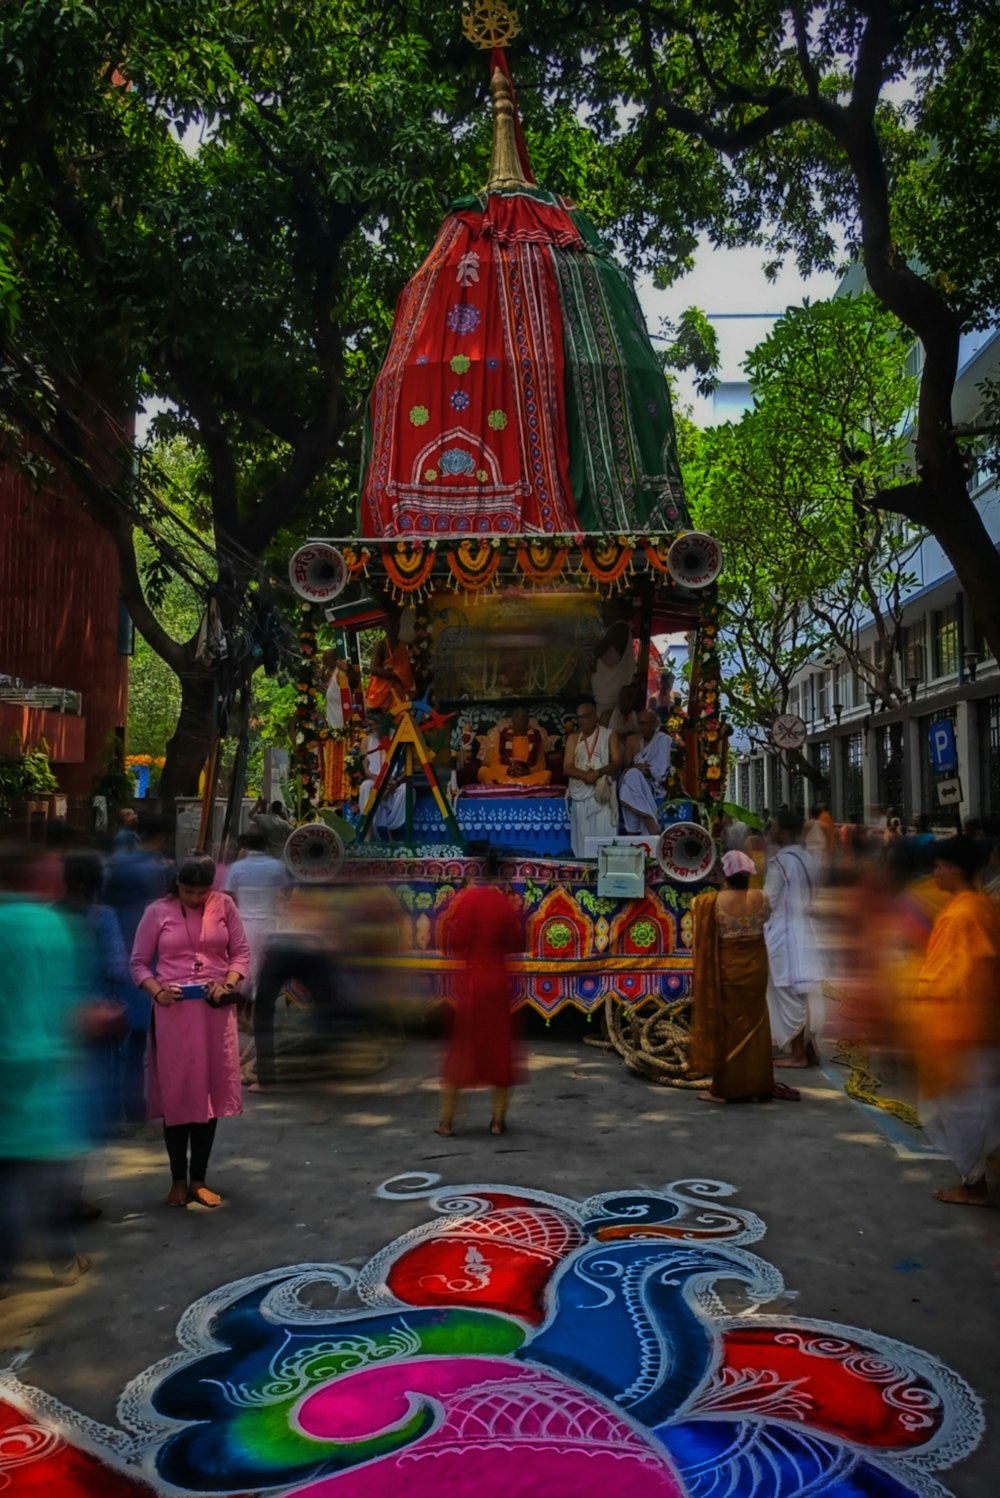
[(731, 1036)]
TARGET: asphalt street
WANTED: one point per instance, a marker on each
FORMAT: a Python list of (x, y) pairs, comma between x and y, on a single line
[(847, 1199)]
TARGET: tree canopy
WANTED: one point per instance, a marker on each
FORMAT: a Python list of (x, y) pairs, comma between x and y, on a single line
[(215, 207), (789, 490)]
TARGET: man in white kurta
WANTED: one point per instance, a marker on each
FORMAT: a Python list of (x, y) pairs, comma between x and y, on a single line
[(591, 760), (792, 951), (642, 787), (391, 812)]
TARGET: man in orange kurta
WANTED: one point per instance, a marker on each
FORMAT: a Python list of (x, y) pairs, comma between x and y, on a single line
[(391, 673), (957, 1017), (515, 753)]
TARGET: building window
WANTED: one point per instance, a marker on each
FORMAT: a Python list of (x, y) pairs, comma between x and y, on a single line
[(913, 652), (823, 699), (852, 773), (759, 793), (983, 646), (989, 754), (744, 796), (889, 749), (822, 759), (798, 781), (944, 627)]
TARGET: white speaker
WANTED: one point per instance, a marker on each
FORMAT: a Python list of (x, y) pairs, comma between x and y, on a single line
[(318, 572), (313, 853), (686, 853), (694, 560)]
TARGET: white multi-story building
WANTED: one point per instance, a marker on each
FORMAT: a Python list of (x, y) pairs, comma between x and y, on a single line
[(868, 758)]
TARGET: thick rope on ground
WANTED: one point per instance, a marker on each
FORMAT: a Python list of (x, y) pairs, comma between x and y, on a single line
[(653, 1045)]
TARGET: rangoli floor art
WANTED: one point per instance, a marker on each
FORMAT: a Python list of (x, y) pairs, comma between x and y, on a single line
[(518, 1344)]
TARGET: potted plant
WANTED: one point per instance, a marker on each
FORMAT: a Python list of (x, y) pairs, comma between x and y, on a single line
[(26, 780)]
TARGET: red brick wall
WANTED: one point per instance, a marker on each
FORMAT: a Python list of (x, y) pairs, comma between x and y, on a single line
[(59, 584)]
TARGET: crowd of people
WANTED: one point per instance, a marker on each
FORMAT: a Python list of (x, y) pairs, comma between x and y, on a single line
[(899, 926), (140, 989)]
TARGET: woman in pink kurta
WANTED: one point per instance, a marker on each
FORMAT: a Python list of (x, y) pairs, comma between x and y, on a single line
[(190, 953)]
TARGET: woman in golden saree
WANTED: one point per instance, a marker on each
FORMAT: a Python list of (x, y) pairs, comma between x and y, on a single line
[(731, 1036)]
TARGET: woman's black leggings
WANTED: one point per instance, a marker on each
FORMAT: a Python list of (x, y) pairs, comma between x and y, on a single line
[(201, 1137)]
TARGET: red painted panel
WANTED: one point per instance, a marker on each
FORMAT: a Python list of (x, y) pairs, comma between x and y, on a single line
[(65, 734), (59, 583)]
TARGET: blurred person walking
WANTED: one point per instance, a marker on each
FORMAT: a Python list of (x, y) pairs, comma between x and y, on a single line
[(957, 1015), (257, 881), (275, 826), (134, 879), (793, 955), (731, 1035), (40, 1139), (484, 930), (190, 954), (105, 982)]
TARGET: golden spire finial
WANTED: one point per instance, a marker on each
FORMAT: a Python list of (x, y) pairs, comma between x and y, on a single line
[(505, 162), (490, 23)]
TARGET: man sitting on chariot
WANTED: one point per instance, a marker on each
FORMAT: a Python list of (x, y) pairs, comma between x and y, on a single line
[(513, 753), (643, 785)]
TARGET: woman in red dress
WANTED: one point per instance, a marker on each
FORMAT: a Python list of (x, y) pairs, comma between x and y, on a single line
[(484, 930)]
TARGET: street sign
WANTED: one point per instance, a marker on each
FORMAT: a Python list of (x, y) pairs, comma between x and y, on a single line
[(949, 792), (944, 754)]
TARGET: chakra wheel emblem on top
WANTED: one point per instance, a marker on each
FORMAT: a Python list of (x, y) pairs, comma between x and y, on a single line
[(490, 23)]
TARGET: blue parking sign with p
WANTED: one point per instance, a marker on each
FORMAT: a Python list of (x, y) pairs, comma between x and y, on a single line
[(944, 755)]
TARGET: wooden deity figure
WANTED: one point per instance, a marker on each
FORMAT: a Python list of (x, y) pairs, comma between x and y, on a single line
[(514, 753)]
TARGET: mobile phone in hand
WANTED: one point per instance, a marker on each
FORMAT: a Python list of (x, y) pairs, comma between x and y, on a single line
[(192, 990)]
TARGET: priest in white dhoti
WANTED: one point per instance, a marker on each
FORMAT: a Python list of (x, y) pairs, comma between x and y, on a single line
[(391, 811), (796, 969), (643, 786), (591, 763)]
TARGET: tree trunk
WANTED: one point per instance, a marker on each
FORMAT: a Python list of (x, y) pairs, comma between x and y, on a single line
[(963, 537), (188, 748)]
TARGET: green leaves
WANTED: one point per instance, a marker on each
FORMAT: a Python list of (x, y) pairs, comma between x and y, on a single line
[(789, 490)]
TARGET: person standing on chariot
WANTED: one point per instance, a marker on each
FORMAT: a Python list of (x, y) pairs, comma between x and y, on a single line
[(614, 663), (591, 764), (643, 785), (390, 671)]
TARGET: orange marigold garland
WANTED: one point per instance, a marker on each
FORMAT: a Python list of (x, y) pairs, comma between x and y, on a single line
[(408, 568), (333, 758), (475, 564), (608, 561), (542, 559), (356, 560), (308, 713), (711, 731), (657, 550)]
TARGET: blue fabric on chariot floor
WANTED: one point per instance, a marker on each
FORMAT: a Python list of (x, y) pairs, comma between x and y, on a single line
[(523, 822)]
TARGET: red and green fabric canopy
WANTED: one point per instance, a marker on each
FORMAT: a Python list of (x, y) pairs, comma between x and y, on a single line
[(520, 393)]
